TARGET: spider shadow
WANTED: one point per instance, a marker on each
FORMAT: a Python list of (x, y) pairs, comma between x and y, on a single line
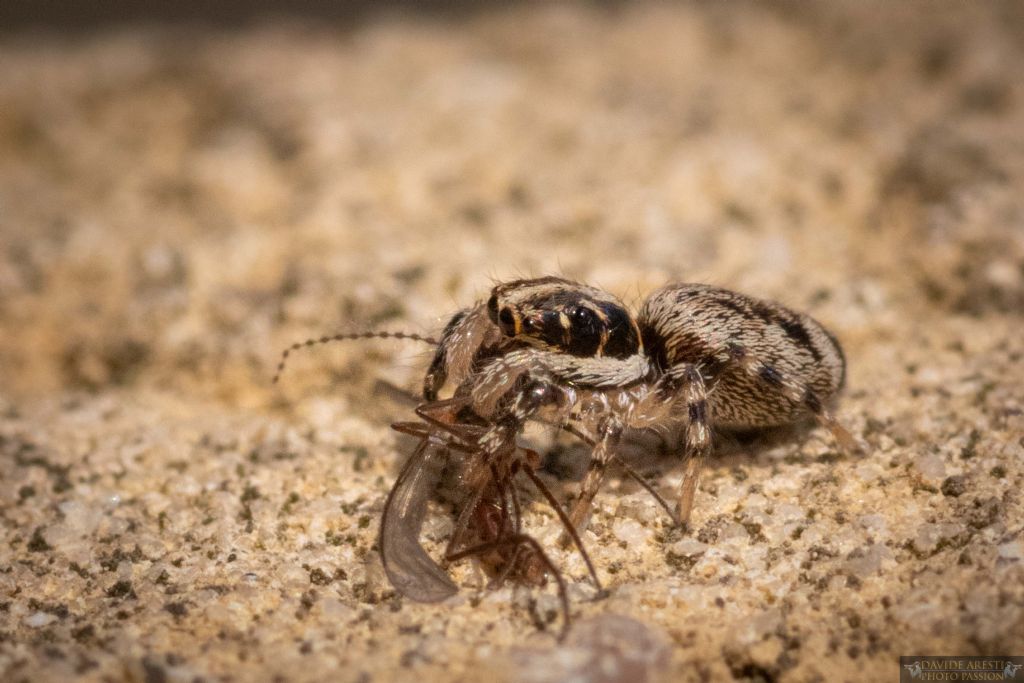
[(654, 454)]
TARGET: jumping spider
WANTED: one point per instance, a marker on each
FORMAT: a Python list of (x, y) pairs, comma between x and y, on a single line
[(696, 356), (563, 353)]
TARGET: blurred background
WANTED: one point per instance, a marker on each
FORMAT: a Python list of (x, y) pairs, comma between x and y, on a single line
[(68, 15), (183, 189), (186, 188)]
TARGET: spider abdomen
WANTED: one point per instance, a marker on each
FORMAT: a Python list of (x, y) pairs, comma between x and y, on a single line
[(796, 362)]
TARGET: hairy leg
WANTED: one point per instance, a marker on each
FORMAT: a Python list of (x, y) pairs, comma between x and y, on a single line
[(685, 384), (608, 434)]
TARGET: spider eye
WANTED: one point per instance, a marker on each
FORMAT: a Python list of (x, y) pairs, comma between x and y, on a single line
[(585, 336), (582, 317), (623, 334), (492, 308), (507, 322)]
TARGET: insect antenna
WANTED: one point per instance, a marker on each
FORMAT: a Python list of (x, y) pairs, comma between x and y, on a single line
[(344, 337)]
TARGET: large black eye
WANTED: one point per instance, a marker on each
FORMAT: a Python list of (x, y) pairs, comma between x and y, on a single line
[(623, 340), (582, 317), (585, 336), (507, 322)]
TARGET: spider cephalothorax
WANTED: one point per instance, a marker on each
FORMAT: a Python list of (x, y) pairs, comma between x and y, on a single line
[(560, 315)]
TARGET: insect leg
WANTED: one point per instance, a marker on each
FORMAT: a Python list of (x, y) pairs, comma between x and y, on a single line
[(530, 542), (515, 530)]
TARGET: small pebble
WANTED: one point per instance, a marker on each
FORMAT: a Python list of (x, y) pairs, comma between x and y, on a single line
[(39, 619)]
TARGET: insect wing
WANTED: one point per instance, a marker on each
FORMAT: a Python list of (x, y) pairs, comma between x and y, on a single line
[(409, 568)]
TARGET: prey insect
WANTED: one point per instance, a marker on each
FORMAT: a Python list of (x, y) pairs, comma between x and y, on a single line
[(489, 525)]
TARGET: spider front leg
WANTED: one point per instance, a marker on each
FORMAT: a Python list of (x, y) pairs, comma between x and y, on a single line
[(437, 373), (609, 433)]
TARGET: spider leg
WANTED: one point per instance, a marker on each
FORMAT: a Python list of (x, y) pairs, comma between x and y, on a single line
[(437, 373), (628, 469), (684, 384), (609, 433)]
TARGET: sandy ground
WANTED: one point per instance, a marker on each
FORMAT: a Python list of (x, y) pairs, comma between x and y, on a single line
[(178, 205)]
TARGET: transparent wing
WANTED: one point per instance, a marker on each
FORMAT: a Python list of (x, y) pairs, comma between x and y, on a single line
[(409, 568)]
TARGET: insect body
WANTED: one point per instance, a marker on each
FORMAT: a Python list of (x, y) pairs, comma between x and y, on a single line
[(489, 525)]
